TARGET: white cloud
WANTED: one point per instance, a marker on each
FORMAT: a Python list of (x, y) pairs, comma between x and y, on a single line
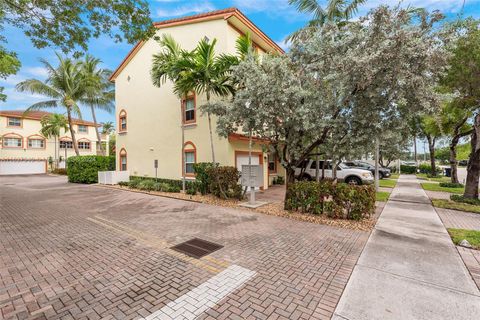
[(37, 71), (284, 44), (184, 9)]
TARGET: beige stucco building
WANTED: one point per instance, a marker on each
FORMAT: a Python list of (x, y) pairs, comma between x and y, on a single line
[(22, 141), (150, 118)]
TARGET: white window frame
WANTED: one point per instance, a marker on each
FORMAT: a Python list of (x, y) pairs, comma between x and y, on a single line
[(14, 124), (31, 146), (6, 143)]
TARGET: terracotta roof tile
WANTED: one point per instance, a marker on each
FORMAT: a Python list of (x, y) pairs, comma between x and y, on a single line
[(38, 115)]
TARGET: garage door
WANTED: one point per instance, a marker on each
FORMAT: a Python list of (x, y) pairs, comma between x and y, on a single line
[(242, 159), (9, 167)]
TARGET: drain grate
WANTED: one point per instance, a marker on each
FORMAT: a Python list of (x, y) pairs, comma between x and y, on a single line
[(196, 248)]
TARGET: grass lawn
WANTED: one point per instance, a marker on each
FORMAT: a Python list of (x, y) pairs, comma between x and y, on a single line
[(382, 196), (436, 187), (394, 176), (424, 176), (447, 204), (471, 236), (388, 183)]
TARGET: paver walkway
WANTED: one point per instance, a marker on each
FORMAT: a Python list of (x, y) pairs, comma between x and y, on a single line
[(410, 268), (70, 251)]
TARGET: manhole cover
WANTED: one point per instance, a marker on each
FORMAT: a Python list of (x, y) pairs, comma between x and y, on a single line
[(197, 248)]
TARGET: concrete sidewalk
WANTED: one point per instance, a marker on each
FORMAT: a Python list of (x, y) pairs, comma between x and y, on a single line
[(409, 268)]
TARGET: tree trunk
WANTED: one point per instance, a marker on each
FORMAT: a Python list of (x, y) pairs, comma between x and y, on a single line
[(473, 167), (415, 148), (290, 179), (453, 159), (99, 139), (431, 148), (72, 132), (55, 147)]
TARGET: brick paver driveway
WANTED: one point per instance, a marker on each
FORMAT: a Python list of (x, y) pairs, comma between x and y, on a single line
[(85, 252)]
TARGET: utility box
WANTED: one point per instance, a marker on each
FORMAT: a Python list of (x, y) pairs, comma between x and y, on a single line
[(252, 175)]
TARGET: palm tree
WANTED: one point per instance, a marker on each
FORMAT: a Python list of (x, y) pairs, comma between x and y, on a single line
[(336, 11), (51, 126), (99, 94), (209, 75), (172, 63), (65, 85), (107, 127)]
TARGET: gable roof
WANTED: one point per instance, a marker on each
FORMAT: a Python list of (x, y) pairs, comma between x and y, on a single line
[(38, 115), (229, 14)]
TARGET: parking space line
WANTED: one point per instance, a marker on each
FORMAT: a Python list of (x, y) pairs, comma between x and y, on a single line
[(207, 263), (205, 296)]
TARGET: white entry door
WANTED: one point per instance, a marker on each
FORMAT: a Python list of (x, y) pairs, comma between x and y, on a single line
[(242, 159), (10, 167)]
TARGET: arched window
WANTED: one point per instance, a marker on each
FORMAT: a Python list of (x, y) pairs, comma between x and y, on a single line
[(122, 121), (189, 158), (189, 109), (122, 159), (84, 144), (36, 142), (12, 140), (66, 143)]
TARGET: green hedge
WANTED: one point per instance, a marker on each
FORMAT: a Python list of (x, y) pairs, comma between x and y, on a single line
[(451, 185), (462, 199), (427, 168), (84, 169), (336, 200), (404, 169), (225, 178)]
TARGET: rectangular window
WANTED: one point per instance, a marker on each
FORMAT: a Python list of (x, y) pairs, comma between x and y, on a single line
[(123, 123), (12, 142), (189, 162), (123, 163), (14, 122), (36, 143), (272, 163), (82, 128), (190, 110), (66, 144), (84, 145)]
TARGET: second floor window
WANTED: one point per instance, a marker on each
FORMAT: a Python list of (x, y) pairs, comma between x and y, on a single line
[(122, 121), (84, 145), (36, 143), (189, 110), (82, 128), (12, 142), (14, 122), (66, 144)]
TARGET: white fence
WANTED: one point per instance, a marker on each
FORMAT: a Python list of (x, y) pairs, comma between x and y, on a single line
[(113, 177)]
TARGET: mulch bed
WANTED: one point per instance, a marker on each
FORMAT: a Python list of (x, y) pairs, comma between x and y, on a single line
[(273, 209)]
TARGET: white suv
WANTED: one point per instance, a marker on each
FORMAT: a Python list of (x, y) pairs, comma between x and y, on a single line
[(307, 171)]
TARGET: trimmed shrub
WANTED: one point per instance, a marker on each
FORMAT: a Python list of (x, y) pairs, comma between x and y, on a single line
[(228, 180), (202, 176), (408, 169), (460, 198), (427, 168), (451, 185), (171, 182), (124, 183), (335, 200), (84, 169), (60, 171), (279, 180), (146, 185)]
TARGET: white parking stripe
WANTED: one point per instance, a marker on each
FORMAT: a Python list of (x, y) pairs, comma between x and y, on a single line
[(205, 296)]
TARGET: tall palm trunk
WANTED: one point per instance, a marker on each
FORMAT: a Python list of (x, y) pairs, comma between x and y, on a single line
[(183, 144), (210, 130), (99, 139), (56, 151), (72, 132)]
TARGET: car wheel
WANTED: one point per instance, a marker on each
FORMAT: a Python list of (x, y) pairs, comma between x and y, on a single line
[(305, 177), (381, 175), (353, 181)]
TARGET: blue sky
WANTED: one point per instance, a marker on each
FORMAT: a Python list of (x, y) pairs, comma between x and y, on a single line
[(275, 17)]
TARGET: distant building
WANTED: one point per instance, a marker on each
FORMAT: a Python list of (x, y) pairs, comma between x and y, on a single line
[(25, 150)]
